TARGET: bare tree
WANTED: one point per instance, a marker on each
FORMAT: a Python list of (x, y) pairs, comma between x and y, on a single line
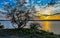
[(16, 14)]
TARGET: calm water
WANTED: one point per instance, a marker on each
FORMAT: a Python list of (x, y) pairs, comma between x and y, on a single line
[(53, 26)]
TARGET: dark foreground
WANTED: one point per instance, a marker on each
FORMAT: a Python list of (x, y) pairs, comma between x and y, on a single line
[(26, 33)]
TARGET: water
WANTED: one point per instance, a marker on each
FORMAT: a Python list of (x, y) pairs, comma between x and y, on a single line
[(53, 26)]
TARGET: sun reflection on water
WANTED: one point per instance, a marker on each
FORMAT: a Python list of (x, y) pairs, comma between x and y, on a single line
[(47, 26)]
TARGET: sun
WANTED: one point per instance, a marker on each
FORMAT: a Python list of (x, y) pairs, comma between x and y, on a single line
[(47, 17), (46, 26)]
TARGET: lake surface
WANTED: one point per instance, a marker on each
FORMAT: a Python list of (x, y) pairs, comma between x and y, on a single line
[(53, 26)]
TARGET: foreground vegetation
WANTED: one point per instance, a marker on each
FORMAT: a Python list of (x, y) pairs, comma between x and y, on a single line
[(28, 33)]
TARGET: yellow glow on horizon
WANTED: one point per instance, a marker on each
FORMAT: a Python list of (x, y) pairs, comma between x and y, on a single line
[(47, 12), (46, 26)]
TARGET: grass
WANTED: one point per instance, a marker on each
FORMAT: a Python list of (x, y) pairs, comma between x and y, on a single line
[(28, 32)]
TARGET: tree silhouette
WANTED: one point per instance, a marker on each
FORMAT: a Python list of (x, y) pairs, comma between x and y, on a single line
[(16, 14), (1, 26), (35, 25)]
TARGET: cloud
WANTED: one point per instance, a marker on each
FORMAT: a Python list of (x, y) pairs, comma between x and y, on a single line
[(2, 10), (53, 9), (57, 8)]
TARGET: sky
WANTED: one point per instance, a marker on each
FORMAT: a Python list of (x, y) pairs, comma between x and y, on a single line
[(39, 5)]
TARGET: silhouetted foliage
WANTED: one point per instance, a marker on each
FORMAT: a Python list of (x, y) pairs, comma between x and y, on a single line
[(1, 26), (16, 14), (30, 33), (34, 25)]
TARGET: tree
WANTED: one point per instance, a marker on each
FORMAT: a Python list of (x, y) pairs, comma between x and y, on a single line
[(19, 18), (1, 26), (34, 25), (16, 14)]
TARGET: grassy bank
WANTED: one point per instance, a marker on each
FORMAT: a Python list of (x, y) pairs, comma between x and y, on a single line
[(28, 32)]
